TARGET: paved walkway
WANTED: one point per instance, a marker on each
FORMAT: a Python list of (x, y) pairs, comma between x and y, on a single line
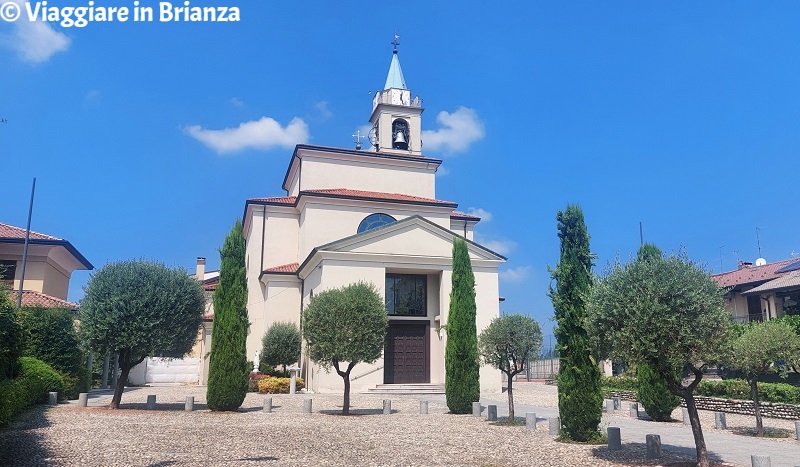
[(675, 437)]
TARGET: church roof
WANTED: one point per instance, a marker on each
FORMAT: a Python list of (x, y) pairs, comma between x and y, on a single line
[(352, 194), (463, 216), (12, 234), (9, 231), (290, 268), (395, 77)]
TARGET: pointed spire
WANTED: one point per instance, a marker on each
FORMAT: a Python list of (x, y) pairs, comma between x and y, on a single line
[(395, 78)]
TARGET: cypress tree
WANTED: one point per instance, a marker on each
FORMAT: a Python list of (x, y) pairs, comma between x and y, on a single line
[(227, 369), (462, 378), (579, 395)]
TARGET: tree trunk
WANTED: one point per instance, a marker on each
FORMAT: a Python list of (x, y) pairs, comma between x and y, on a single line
[(510, 400), (346, 377), (697, 430), (756, 405), (123, 378)]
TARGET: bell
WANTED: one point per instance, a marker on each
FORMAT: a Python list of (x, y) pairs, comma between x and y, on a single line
[(399, 137)]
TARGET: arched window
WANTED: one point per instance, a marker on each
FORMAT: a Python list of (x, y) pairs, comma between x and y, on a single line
[(373, 221)]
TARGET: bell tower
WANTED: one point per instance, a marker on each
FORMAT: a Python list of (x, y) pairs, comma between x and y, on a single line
[(396, 117)]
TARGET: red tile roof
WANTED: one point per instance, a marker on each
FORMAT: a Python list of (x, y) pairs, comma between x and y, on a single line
[(348, 193), (290, 268), (32, 298), (749, 275), (9, 231), (211, 284), (461, 215)]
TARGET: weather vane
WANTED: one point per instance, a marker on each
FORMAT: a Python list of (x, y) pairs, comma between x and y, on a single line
[(358, 136), (394, 42)]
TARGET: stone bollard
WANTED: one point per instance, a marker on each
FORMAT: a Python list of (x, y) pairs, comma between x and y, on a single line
[(686, 420), (530, 420), (797, 430), (653, 446), (719, 421), (614, 438), (609, 406), (307, 406), (554, 426), (52, 398), (476, 409), (634, 408), (617, 403), (293, 380), (267, 405), (151, 402), (757, 460), (387, 407), (491, 413), (189, 406), (83, 399), (423, 407)]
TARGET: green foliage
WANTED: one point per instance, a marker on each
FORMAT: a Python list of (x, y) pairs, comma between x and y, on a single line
[(347, 324), (579, 394), (506, 344), (11, 340), (655, 396), (762, 345), (273, 385), (280, 346), (50, 336), (462, 377), (740, 389), (509, 341), (30, 387), (137, 309), (620, 383), (227, 370), (793, 321)]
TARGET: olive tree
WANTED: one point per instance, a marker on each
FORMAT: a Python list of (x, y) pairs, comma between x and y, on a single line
[(344, 327), (138, 309), (507, 344), (280, 346), (758, 352), (666, 313)]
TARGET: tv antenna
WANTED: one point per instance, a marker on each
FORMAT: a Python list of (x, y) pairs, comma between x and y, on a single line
[(758, 240)]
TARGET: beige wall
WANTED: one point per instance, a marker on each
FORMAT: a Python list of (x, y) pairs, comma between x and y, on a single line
[(282, 303), (42, 275)]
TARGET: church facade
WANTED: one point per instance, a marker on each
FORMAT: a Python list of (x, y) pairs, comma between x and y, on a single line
[(371, 215)]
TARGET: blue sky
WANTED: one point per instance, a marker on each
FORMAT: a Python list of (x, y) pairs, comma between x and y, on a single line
[(681, 115)]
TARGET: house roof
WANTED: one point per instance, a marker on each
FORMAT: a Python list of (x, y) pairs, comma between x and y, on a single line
[(290, 268), (463, 216), (750, 275), (788, 281), (12, 234), (32, 299), (211, 284), (346, 193)]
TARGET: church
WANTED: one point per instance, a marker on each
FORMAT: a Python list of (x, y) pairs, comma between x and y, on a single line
[(370, 215)]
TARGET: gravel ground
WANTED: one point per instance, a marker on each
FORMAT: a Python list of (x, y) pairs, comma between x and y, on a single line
[(96, 436)]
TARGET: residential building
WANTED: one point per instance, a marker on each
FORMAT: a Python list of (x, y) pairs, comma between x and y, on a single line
[(763, 291), (371, 215)]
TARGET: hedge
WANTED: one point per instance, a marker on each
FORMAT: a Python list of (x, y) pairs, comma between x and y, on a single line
[(739, 389), (272, 385), (619, 383), (35, 380)]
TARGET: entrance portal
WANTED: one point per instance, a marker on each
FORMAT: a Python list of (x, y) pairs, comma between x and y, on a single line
[(406, 353)]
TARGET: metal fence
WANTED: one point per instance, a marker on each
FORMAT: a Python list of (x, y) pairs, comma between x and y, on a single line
[(546, 363)]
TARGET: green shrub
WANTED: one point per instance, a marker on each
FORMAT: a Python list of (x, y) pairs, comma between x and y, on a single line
[(619, 383), (50, 336), (271, 385), (10, 337), (654, 395), (739, 389), (35, 380), (280, 346), (74, 385)]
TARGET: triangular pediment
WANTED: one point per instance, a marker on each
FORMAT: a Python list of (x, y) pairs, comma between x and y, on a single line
[(413, 236)]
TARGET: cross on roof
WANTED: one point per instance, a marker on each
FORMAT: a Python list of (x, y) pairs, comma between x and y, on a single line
[(395, 42)]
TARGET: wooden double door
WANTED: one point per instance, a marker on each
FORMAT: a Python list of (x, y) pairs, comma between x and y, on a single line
[(407, 352)]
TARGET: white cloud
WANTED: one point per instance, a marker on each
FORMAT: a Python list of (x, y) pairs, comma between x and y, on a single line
[(485, 215), (500, 246), (459, 130), (35, 41), (442, 171), (264, 133), (518, 274), (323, 111), (92, 95), (236, 102)]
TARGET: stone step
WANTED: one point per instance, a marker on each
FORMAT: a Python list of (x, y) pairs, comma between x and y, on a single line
[(407, 389)]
